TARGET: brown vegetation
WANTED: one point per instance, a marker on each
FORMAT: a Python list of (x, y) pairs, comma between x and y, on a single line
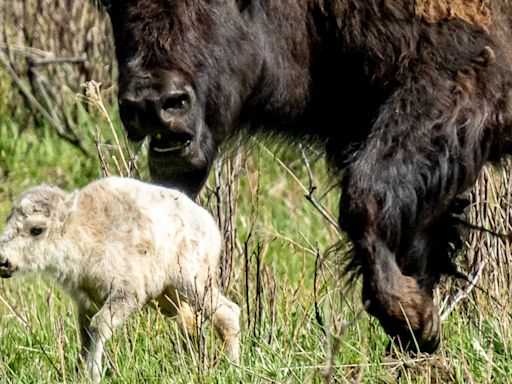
[(48, 49)]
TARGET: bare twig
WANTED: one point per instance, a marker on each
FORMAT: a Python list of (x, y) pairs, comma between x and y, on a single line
[(4, 32), (120, 155), (58, 60), (318, 314), (308, 191), (101, 156), (36, 105), (312, 199), (48, 49), (463, 293), (27, 52)]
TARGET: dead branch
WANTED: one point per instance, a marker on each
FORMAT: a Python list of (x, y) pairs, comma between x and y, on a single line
[(58, 60), (463, 293), (312, 199), (36, 106)]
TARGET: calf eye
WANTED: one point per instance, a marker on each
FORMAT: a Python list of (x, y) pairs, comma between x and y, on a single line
[(36, 231)]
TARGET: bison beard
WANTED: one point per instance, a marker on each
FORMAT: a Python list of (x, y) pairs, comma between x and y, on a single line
[(410, 97)]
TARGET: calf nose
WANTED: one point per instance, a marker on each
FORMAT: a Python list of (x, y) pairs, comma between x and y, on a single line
[(5, 268)]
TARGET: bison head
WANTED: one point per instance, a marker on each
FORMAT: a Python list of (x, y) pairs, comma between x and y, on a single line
[(185, 68)]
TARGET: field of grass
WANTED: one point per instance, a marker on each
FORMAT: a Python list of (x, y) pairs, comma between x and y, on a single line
[(276, 264), (279, 238)]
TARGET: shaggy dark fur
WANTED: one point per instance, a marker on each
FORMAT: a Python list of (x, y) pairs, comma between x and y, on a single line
[(411, 98)]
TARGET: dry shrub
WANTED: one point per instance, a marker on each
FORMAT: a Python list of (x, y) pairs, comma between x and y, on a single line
[(487, 259), (49, 48)]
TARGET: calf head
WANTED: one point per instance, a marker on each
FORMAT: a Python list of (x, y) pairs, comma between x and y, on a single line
[(35, 221), (185, 68)]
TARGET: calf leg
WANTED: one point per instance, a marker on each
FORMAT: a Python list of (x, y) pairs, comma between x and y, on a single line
[(172, 305), (84, 320), (113, 313), (226, 321), (224, 314)]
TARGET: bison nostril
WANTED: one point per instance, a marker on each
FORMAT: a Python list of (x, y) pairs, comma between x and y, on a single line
[(126, 109), (133, 113), (129, 108), (175, 102)]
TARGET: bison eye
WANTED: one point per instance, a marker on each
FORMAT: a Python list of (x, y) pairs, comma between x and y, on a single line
[(36, 231)]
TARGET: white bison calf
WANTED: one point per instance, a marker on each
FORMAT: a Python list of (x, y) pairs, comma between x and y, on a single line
[(115, 245)]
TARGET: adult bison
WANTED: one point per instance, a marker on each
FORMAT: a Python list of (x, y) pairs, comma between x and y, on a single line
[(410, 97)]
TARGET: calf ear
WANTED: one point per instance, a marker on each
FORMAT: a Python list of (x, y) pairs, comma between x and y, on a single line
[(72, 200), (69, 206)]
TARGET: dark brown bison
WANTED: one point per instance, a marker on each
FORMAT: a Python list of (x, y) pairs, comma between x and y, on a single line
[(410, 97)]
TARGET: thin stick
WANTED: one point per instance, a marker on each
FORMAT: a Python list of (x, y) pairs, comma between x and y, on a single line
[(462, 294), (309, 196), (57, 60), (92, 91)]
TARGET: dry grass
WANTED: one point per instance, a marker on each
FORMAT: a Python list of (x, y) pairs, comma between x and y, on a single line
[(49, 48)]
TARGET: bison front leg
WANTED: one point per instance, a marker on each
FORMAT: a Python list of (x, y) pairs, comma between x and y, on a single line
[(428, 143), (403, 306), (393, 193)]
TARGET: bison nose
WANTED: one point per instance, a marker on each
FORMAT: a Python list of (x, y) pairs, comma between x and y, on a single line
[(148, 109), (174, 104), (137, 115)]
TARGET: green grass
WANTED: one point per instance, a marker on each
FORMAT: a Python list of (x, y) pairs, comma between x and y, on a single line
[(281, 340)]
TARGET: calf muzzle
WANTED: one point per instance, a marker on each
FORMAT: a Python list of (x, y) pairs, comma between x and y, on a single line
[(6, 269)]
